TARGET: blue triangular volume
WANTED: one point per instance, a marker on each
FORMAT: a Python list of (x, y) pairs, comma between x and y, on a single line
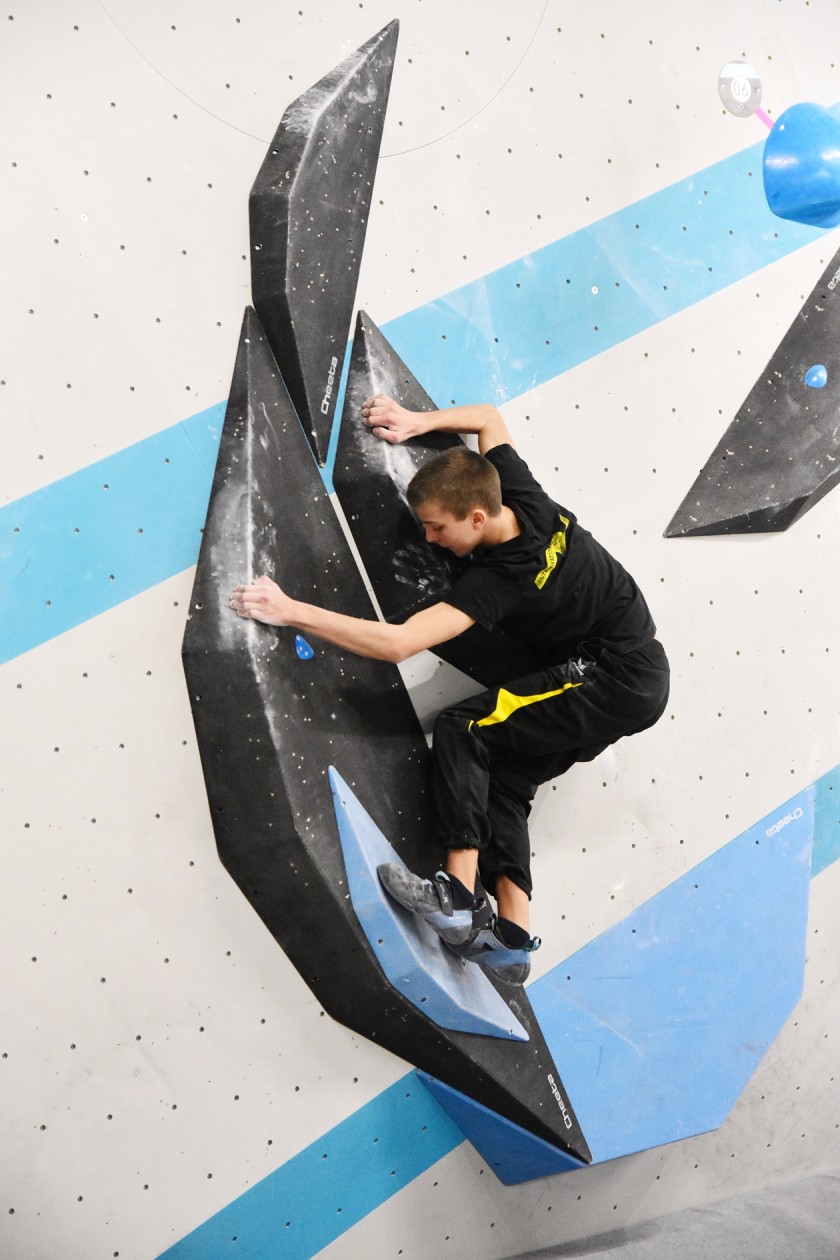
[(659, 1023), (513, 1153), (453, 993)]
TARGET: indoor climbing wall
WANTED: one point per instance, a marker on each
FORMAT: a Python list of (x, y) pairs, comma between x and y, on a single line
[(566, 220)]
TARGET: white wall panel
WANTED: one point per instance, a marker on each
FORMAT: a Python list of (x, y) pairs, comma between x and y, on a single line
[(159, 1054)]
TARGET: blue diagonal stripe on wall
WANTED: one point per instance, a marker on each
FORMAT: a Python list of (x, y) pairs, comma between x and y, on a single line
[(535, 318), (72, 550), (332, 1184), (104, 534)]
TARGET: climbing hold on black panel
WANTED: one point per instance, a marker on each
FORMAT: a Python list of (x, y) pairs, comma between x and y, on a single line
[(371, 477), (268, 731), (304, 650), (816, 376), (309, 210), (781, 453)]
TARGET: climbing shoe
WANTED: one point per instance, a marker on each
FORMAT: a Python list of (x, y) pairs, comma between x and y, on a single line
[(488, 948), (433, 899)]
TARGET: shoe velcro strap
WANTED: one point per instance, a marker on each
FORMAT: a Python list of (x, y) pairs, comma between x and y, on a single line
[(444, 890)]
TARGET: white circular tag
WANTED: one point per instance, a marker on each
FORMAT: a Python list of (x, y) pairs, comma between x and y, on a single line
[(740, 88)]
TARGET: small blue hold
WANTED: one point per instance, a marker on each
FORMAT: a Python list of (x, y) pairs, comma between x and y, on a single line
[(304, 651), (816, 376)]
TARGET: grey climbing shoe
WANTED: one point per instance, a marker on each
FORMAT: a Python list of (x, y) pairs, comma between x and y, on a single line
[(486, 948), (430, 898)]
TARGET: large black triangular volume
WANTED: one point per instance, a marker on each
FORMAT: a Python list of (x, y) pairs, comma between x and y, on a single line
[(781, 453), (309, 211), (270, 720), (371, 477)]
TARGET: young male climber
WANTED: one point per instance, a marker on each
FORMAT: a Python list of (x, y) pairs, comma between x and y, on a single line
[(534, 572)]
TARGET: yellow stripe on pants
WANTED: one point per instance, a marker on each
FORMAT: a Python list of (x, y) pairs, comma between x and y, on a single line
[(507, 703)]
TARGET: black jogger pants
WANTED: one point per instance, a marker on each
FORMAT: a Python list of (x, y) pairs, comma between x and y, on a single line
[(491, 752)]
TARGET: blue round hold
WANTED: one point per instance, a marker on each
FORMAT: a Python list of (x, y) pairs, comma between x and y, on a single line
[(303, 649), (816, 376)]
